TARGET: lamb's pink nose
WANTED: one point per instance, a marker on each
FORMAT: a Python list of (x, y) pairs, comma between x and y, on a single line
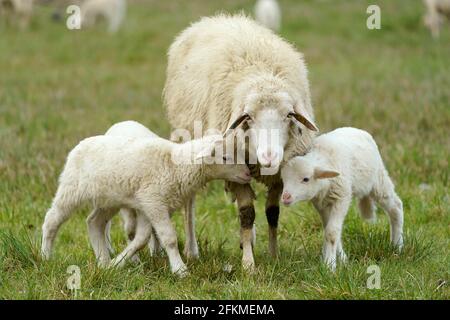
[(286, 197)]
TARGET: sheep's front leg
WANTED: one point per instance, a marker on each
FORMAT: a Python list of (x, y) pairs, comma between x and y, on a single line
[(191, 247), (272, 214), (334, 217), (160, 220), (244, 196)]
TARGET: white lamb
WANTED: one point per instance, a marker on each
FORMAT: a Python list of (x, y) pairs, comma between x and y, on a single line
[(112, 10), (342, 164), (152, 176), (268, 13)]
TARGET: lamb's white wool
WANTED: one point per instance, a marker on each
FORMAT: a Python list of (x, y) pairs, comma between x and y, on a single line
[(112, 10), (230, 72), (131, 129), (268, 13), (437, 10), (342, 164), (113, 172), (21, 10)]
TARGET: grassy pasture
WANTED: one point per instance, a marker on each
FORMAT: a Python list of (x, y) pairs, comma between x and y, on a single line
[(59, 86)]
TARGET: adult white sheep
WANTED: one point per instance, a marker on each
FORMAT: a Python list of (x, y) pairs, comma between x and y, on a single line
[(342, 164), (112, 10), (152, 176), (268, 13), (20, 10), (228, 72), (437, 10)]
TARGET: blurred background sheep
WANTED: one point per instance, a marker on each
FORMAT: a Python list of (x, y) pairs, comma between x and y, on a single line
[(111, 10), (268, 13), (16, 11), (437, 12)]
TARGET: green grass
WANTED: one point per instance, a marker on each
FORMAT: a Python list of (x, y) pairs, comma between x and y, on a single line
[(59, 86)]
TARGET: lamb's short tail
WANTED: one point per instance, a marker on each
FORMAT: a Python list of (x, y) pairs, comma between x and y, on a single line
[(367, 209)]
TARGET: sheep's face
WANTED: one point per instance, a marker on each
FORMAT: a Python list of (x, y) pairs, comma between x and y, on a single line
[(266, 120), (303, 180)]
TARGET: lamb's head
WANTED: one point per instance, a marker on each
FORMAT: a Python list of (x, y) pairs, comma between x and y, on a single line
[(266, 118), (303, 179), (221, 162)]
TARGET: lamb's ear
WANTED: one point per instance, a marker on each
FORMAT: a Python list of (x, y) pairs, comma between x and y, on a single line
[(239, 120), (298, 118), (324, 173), (208, 150)]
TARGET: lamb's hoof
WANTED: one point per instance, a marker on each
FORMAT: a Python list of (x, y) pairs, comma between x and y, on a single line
[(182, 272), (135, 259), (191, 254), (399, 245), (116, 263)]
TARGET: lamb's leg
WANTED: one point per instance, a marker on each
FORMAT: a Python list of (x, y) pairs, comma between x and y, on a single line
[(129, 225), (108, 238), (160, 220), (191, 247), (154, 247), (386, 197), (141, 237), (60, 211), (332, 233), (272, 214), (97, 222)]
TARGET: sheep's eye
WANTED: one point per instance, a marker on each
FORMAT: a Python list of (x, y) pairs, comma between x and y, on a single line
[(226, 158), (305, 179)]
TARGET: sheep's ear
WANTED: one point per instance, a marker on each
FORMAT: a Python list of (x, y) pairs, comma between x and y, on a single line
[(243, 117), (298, 118), (324, 173)]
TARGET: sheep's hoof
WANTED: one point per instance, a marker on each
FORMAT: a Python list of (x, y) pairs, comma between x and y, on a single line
[(192, 255), (249, 266), (182, 272), (135, 259), (343, 257), (117, 263)]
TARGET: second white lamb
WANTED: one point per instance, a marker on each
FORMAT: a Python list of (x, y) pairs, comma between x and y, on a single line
[(342, 164)]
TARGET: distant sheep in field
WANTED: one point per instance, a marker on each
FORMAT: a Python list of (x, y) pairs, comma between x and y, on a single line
[(112, 10), (342, 164), (437, 11), (268, 13), (20, 10), (113, 172)]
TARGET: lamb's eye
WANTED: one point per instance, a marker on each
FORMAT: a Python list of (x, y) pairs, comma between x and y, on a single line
[(305, 179)]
